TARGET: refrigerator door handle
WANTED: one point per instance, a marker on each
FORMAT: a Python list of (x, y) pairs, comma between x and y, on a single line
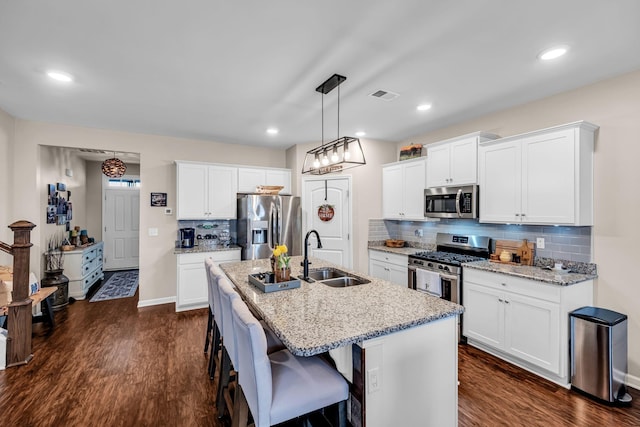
[(270, 230)]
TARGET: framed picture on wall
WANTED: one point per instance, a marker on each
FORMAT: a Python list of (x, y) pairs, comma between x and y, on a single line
[(158, 199)]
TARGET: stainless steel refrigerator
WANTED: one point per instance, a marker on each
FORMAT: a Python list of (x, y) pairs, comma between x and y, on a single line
[(265, 221)]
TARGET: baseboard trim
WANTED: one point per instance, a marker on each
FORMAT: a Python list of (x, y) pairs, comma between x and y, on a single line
[(633, 381), (156, 301)]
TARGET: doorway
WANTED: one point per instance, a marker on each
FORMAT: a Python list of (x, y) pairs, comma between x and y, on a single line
[(326, 205), (121, 222)]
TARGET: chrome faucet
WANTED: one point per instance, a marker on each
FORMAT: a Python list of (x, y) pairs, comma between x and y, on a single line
[(305, 263)]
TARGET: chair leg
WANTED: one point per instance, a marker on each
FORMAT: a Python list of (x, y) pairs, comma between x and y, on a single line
[(240, 408), (223, 381), (209, 324), (337, 414), (215, 348)]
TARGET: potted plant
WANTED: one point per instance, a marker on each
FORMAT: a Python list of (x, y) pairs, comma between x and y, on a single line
[(54, 266), (281, 263)]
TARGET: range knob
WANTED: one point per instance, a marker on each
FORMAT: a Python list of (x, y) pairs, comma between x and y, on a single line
[(440, 267), (430, 265), (447, 269)]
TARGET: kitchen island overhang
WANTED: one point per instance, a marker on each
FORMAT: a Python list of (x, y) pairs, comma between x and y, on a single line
[(405, 342)]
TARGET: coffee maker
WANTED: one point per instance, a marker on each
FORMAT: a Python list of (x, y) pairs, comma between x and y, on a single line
[(187, 237)]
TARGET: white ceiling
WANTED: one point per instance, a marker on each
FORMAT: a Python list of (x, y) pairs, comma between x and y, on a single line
[(227, 70)]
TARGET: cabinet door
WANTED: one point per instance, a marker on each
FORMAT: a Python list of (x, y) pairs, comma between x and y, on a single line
[(398, 275), (500, 182), (415, 175), (438, 166), (464, 161), (192, 286), (250, 178), (279, 177), (392, 192), (483, 315), (223, 186), (532, 331), (378, 269), (548, 178), (192, 191)]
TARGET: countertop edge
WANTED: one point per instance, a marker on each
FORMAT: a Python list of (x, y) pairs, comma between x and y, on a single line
[(198, 250), (531, 273)]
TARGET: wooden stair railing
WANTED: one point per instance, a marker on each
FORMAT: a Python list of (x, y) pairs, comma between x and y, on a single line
[(19, 322)]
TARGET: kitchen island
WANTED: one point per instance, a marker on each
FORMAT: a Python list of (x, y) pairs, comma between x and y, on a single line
[(401, 344)]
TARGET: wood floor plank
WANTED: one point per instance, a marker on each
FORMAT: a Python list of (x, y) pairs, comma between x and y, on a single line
[(110, 363)]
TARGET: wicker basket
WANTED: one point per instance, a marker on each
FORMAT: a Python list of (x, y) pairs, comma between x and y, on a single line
[(269, 189), (394, 243)]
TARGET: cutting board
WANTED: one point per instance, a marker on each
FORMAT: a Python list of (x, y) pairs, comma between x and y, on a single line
[(515, 247)]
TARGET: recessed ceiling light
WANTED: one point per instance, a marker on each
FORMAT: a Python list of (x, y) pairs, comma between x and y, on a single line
[(553, 53), (360, 133), (60, 76), (272, 131), (423, 107)]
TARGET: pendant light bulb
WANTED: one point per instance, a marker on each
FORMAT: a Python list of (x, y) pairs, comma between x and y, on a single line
[(325, 159), (334, 156), (347, 153), (316, 161)]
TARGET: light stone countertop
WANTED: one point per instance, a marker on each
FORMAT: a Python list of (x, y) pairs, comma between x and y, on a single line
[(402, 251), (200, 249), (563, 278), (316, 318)]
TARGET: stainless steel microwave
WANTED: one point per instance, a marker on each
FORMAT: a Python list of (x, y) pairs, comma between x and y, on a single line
[(451, 202)]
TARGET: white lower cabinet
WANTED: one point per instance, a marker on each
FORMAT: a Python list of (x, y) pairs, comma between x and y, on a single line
[(522, 321), (389, 266), (192, 289), (83, 267)]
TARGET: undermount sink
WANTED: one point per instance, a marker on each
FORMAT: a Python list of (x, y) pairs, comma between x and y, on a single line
[(343, 282), (326, 273)]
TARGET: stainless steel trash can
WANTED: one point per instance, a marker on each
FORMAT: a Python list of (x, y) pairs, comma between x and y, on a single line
[(599, 353)]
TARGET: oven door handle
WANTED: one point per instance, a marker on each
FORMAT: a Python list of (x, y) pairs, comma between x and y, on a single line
[(448, 276), (458, 196)]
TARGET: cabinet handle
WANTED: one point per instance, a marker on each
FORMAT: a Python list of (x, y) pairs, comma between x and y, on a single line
[(500, 299), (522, 214), (517, 214), (506, 302), (503, 284)]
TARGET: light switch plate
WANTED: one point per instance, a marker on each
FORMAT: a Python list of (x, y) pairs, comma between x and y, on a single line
[(540, 242), (153, 231), (373, 379)]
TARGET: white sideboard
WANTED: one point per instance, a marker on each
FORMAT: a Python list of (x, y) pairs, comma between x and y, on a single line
[(83, 267)]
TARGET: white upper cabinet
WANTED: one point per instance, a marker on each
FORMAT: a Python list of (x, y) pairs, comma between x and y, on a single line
[(455, 161), (206, 191), (403, 185), (250, 178), (543, 177)]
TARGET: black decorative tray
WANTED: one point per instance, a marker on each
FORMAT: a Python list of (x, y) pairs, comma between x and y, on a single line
[(266, 282)]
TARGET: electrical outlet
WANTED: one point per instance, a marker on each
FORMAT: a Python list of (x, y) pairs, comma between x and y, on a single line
[(153, 231), (373, 379), (419, 232), (540, 242)]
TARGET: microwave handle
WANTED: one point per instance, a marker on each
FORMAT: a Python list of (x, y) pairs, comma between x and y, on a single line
[(458, 196)]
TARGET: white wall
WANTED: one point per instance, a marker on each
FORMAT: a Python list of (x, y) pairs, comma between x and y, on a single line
[(614, 105), (6, 143), (157, 172)]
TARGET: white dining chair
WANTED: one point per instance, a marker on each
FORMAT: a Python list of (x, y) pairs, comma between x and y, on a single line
[(279, 386)]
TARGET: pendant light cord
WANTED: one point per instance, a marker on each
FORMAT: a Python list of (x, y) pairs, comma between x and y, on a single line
[(322, 131), (338, 112)]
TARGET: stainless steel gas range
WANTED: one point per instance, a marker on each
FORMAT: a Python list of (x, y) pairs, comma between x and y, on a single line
[(439, 273)]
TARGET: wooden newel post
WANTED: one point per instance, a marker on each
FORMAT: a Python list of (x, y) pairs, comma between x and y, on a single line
[(19, 322)]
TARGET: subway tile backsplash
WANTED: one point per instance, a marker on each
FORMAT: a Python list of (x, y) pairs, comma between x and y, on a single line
[(563, 243)]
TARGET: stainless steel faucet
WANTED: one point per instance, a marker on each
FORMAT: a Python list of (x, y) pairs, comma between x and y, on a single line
[(305, 263)]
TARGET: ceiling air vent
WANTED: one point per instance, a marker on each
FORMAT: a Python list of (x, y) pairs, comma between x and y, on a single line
[(384, 95)]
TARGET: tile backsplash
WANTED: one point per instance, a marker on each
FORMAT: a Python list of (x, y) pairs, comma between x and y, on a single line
[(566, 243), (223, 230)]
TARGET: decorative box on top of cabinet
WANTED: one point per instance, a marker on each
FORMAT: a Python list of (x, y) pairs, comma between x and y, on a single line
[(455, 161), (192, 289), (541, 177), (83, 267), (523, 321), (403, 185)]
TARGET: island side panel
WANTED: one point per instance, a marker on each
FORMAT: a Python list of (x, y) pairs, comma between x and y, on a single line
[(411, 376)]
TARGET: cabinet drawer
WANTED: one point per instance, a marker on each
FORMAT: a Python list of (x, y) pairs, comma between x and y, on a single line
[(88, 256), (89, 266), (388, 257), (518, 285)]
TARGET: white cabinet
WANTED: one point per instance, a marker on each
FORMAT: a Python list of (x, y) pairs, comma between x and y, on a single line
[(83, 267), (455, 161), (250, 178), (543, 177), (192, 289), (403, 185), (522, 321), (389, 266), (206, 191)]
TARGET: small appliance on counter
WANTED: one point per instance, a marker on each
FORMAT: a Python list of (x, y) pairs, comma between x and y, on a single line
[(187, 237)]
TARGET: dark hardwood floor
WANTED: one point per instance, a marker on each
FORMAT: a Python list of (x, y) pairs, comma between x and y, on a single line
[(110, 363)]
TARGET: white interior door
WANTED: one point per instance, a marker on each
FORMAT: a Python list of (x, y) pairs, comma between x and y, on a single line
[(322, 198), (121, 228)]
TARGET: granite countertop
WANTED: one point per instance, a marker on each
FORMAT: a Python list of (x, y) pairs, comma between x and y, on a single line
[(402, 251), (562, 278), (316, 318), (200, 249)]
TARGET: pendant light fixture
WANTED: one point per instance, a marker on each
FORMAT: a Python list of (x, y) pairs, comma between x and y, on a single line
[(114, 168), (339, 154)]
